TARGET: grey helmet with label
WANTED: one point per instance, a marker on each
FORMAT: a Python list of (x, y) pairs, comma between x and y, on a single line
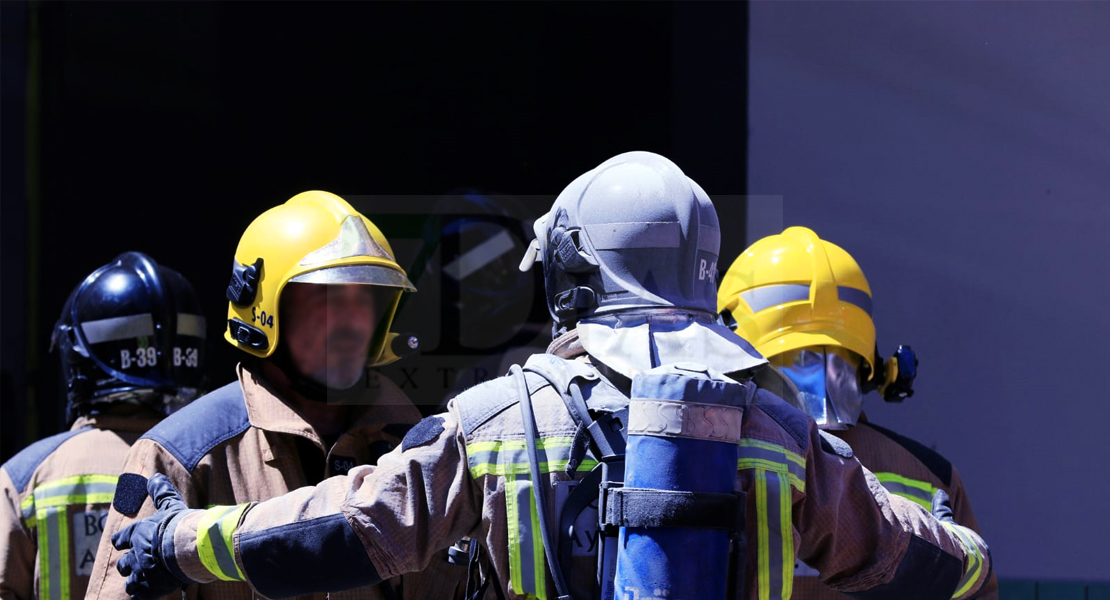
[(629, 255)]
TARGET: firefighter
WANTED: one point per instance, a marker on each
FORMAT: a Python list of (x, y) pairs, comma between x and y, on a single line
[(805, 304), (311, 299), (628, 252), (131, 344)]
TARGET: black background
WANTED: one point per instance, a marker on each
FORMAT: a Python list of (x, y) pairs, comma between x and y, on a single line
[(166, 127)]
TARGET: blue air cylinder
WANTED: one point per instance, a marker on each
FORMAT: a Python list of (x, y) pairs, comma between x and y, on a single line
[(683, 433)]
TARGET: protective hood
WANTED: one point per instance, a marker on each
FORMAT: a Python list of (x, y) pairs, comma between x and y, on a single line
[(636, 341)]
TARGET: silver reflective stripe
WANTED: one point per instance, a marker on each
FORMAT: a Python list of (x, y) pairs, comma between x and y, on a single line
[(479, 256), (193, 325), (772, 295), (611, 236), (219, 548), (118, 328), (767, 296), (856, 297), (709, 240)]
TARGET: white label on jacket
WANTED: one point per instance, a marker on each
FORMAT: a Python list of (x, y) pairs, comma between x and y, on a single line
[(87, 529)]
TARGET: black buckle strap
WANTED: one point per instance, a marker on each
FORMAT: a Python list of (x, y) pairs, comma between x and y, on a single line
[(642, 507), (243, 286)]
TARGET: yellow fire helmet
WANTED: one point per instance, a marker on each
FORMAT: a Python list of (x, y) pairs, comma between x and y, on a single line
[(315, 237), (794, 290)]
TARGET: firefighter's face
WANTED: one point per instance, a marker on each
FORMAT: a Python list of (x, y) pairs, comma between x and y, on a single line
[(328, 329)]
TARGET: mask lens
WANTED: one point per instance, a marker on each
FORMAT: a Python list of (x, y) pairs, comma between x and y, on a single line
[(806, 368), (827, 379)]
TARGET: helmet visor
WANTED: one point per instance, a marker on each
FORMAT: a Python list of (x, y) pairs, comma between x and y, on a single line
[(367, 274), (827, 378)]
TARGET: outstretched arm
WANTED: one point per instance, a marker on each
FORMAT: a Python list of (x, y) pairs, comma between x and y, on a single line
[(871, 544), (349, 531)]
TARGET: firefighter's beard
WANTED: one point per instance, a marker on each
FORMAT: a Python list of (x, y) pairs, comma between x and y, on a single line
[(344, 359)]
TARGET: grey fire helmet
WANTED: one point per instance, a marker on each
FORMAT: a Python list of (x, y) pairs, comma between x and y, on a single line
[(629, 255)]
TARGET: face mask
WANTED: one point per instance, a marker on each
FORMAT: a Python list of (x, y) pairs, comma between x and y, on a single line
[(827, 378)]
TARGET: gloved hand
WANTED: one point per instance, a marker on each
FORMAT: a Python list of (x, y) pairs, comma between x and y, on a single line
[(151, 543), (942, 509)]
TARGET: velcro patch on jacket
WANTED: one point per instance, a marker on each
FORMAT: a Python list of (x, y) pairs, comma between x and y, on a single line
[(130, 493), (835, 445), (423, 432)]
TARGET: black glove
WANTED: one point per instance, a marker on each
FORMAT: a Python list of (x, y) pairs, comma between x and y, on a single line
[(151, 543), (942, 510)]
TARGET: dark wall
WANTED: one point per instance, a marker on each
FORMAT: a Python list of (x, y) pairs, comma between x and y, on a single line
[(166, 127)]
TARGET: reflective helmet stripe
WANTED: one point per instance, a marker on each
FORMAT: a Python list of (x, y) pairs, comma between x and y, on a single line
[(118, 328), (765, 297)]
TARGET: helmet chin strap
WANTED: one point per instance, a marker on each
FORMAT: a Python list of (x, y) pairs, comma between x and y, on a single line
[(312, 389)]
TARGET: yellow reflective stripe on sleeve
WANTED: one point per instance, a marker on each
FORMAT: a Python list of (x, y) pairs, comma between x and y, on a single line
[(526, 566), (216, 544), (65, 563), (791, 456), (50, 487), (45, 572), (763, 544), (511, 520), (786, 523), (61, 501), (45, 509), (54, 563), (510, 457), (539, 568), (975, 559), (776, 472), (27, 510), (757, 454), (77, 490), (920, 492)]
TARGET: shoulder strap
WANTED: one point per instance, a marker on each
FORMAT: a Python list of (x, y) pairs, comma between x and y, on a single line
[(606, 434)]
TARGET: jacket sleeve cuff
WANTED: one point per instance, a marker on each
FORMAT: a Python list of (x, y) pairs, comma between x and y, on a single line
[(202, 547), (169, 556)]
